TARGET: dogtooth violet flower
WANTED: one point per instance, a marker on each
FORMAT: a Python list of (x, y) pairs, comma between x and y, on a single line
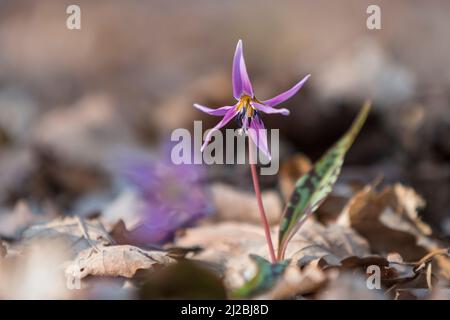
[(248, 108), (172, 195)]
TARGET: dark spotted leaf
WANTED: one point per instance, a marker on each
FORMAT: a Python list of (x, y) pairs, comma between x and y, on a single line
[(265, 277), (313, 187)]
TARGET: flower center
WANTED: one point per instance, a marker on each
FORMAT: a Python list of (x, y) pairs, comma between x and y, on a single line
[(244, 106), (246, 112)]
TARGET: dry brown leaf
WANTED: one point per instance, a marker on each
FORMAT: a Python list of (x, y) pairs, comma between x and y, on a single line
[(115, 261), (237, 205), (393, 273), (389, 221), (385, 221), (330, 244), (80, 233), (229, 244)]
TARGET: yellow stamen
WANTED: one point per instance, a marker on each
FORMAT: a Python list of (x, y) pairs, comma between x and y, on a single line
[(244, 103)]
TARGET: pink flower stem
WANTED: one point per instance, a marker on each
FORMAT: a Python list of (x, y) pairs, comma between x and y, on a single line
[(262, 212)]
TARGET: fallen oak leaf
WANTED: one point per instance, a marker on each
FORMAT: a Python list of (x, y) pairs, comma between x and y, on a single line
[(123, 260)]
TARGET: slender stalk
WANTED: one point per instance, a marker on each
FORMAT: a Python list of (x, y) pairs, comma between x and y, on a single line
[(262, 212)]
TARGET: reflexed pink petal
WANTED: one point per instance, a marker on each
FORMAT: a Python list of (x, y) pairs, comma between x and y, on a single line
[(240, 78), (270, 110), (258, 134), (228, 116), (214, 112), (287, 94)]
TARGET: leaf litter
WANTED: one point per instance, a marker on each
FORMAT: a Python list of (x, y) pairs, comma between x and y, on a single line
[(225, 256)]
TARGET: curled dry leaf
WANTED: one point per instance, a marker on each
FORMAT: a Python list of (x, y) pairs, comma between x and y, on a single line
[(389, 220), (237, 205), (114, 261)]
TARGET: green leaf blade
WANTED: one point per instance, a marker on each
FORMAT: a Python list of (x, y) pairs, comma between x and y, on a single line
[(312, 188), (266, 276)]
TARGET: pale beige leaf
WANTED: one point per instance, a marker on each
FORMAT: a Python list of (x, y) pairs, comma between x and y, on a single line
[(115, 261), (229, 244), (80, 233)]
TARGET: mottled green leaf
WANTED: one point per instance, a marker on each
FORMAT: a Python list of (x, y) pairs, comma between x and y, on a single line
[(313, 187), (264, 279)]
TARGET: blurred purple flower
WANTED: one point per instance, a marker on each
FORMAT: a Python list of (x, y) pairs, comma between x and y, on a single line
[(173, 196), (248, 108)]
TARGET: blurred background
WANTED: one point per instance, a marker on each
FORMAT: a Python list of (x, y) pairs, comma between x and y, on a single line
[(71, 100)]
